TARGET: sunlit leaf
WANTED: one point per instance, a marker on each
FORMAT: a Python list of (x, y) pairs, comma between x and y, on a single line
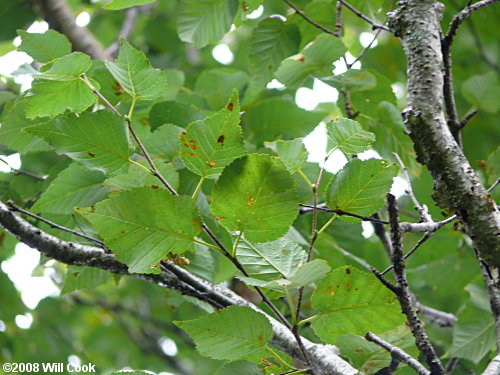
[(293, 153), (348, 136)]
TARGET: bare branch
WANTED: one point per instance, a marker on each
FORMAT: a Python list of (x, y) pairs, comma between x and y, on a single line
[(322, 207), (467, 117), (60, 18), (304, 16), (426, 227), (403, 291), (398, 353), (127, 28), (375, 25), (24, 173), (442, 318), (366, 49), (490, 278)]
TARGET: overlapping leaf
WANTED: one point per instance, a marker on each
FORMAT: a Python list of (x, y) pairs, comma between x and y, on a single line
[(135, 74), (44, 47), (66, 68), (202, 22), (351, 301), (78, 278), (348, 136), (142, 225), (293, 153), (75, 186), (208, 146), (235, 332), (97, 140), (360, 187), (316, 58), (256, 195), (122, 4)]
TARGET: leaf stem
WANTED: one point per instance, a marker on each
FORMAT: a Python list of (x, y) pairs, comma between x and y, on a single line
[(141, 166), (206, 244), (198, 187), (326, 225), (292, 307), (236, 243), (306, 179), (132, 107), (278, 357), (304, 321)]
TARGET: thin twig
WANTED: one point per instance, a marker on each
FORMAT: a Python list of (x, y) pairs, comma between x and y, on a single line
[(403, 293), (304, 16), (339, 213), (19, 171), (366, 49), (338, 20), (347, 102), (398, 353), (426, 227), (13, 207), (375, 25), (422, 209), (383, 236), (467, 117), (490, 278), (495, 184), (127, 28), (442, 318)]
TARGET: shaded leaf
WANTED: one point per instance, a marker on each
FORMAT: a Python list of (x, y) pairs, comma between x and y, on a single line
[(222, 335), (97, 140), (352, 80), (44, 47), (78, 278), (256, 195), (203, 22), (351, 301), (164, 142), (170, 112), (483, 91), (122, 4), (141, 226), (74, 186)]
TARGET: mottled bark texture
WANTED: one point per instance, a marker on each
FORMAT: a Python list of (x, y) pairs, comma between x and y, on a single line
[(456, 185)]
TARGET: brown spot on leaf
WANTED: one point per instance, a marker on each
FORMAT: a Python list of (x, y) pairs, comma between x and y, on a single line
[(91, 154), (348, 284), (230, 106), (155, 187), (348, 271), (212, 163), (183, 133), (194, 147), (260, 338), (300, 57), (270, 67), (191, 153), (195, 221), (219, 218), (118, 89), (221, 139), (245, 6)]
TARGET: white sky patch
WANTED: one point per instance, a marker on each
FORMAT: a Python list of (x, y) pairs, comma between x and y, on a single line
[(399, 90), (38, 27), (340, 65), (278, 16), (275, 84), (82, 19), (168, 346), (24, 321), (368, 230), (366, 38), (316, 143), (13, 160), (256, 13), (74, 360), (320, 93), (222, 53), (17, 41), (19, 269), (3, 327)]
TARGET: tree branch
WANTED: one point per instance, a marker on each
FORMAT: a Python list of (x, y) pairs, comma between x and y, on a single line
[(442, 318), (403, 291), (398, 353), (59, 16), (491, 281), (324, 357), (457, 186), (375, 25), (304, 16), (493, 367)]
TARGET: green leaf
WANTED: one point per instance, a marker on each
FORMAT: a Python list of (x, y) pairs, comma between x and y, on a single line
[(46, 98), (97, 140), (12, 132), (277, 117), (74, 186), (348, 136), (256, 195), (483, 91), (235, 332), (164, 142), (134, 72), (474, 334), (272, 41), (321, 12), (16, 14), (140, 177), (141, 226), (208, 146), (203, 22), (270, 260), (179, 114), (293, 153), (216, 85), (352, 80), (66, 68), (84, 278), (360, 187), (122, 4), (351, 301), (316, 58), (44, 47)]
